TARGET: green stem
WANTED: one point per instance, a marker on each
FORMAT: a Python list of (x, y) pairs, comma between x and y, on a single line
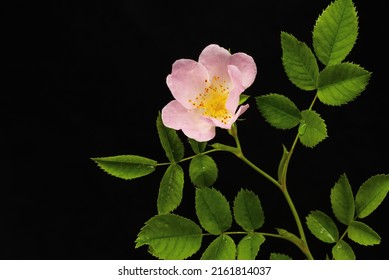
[(289, 237), (300, 228), (313, 102), (289, 200), (239, 153), (191, 157), (280, 184), (286, 164), (256, 168), (234, 132), (274, 235), (295, 214), (343, 235), (290, 153)]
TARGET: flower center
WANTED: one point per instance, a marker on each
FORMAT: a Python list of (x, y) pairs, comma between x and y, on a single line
[(212, 101)]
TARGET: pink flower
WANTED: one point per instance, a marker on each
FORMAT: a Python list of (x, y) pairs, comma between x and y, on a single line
[(207, 92)]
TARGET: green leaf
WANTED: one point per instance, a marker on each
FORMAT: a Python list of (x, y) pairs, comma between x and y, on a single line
[(243, 98), (281, 165), (342, 201), (371, 194), (197, 147), (170, 189), (170, 236), (299, 62), (248, 247), (278, 257), (171, 143), (312, 129), (363, 234), (222, 248), (203, 171), (343, 251), (335, 32), (342, 83), (322, 226), (126, 166), (213, 210), (278, 110), (248, 211)]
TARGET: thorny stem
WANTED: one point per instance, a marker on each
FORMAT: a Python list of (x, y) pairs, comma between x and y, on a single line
[(290, 153), (284, 188), (303, 248), (281, 184), (238, 152)]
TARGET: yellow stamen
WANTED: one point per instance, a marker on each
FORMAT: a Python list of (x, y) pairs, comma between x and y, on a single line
[(212, 101)]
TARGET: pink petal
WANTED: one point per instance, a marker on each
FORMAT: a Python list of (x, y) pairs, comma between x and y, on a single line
[(192, 124), (246, 66), (237, 89), (216, 59), (240, 111), (238, 70), (187, 80)]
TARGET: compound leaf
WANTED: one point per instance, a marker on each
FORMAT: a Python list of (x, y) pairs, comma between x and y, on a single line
[(363, 234), (248, 211), (213, 210), (322, 226), (171, 143), (342, 83), (170, 236), (170, 189), (312, 129), (335, 32), (222, 248), (371, 194), (197, 147), (248, 247), (343, 251), (203, 171), (299, 62), (342, 201), (126, 166), (278, 110)]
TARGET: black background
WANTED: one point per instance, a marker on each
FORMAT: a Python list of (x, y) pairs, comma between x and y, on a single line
[(86, 79)]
